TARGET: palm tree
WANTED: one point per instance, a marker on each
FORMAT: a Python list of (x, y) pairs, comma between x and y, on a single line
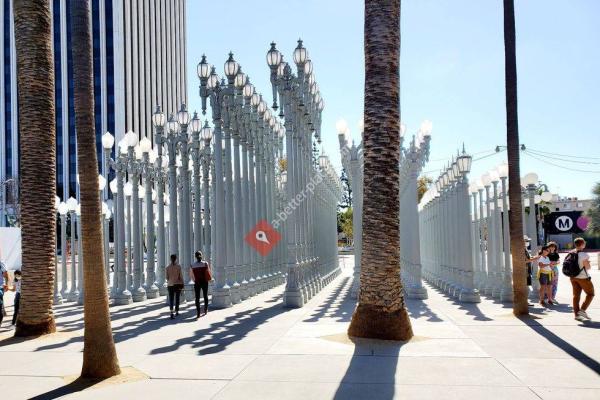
[(35, 77), (99, 354), (517, 244), (381, 311)]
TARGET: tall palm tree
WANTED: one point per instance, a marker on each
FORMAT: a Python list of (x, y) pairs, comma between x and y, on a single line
[(35, 77), (517, 244), (99, 354), (381, 311)]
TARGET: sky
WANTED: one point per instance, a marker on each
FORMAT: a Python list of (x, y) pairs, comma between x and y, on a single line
[(451, 73)]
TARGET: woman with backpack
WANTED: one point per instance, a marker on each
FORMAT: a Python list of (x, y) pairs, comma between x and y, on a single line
[(554, 258), (201, 274), (545, 275)]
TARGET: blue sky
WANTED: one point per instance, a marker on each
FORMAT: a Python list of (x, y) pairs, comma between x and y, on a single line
[(452, 72)]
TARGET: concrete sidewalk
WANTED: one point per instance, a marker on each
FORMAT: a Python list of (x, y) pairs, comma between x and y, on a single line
[(260, 350)]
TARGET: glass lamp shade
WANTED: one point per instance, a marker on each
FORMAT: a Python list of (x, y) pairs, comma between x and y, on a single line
[(72, 204), (152, 156), (323, 161), (281, 69), (78, 210), (530, 179), (137, 150), (262, 107), (203, 69), (255, 100), (63, 209), (128, 189), (165, 162), (105, 209), (546, 196), (473, 188), (158, 118), (526, 202), (402, 130), (196, 124), (248, 90), (300, 54), (455, 170), (321, 104), (172, 125), (231, 67), (273, 56), (284, 177), (108, 215), (314, 88), (503, 170), (494, 176), (267, 116), (56, 202), (213, 79), (308, 67), (167, 215), (183, 116), (438, 185), (131, 138), (108, 140), (537, 199), (101, 182), (123, 146), (281, 131), (479, 184), (464, 163), (312, 80), (240, 79), (426, 128), (178, 161), (113, 186), (486, 179), (341, 126), (207, 132), (145, 145)]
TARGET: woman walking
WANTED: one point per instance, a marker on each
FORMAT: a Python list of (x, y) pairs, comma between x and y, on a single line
[(554, 258), (174, 284), (545, 275), (201, 274)]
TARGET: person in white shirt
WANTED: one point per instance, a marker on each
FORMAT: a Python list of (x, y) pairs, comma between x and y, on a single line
[(582, 282), (3, 288), (16, 288), (545, 275)]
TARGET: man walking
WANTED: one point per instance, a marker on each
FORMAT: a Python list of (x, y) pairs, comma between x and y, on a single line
[(582, 282)]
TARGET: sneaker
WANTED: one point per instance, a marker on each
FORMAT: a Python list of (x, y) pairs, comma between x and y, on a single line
[(579, 318), (172, 316), (583, 314)]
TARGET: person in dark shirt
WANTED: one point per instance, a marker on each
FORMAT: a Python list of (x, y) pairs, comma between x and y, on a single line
[(554, 261), (201, 274)]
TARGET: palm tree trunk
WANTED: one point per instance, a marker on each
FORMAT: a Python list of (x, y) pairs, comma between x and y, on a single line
[(37, 128), (99, 354), (381, 311), (517, 244)]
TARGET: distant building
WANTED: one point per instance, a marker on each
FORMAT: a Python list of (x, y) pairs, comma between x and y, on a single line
[(139, 61), (569, 204)]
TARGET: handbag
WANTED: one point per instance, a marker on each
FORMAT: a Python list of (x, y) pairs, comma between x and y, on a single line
[(178, 287), (207, 273)]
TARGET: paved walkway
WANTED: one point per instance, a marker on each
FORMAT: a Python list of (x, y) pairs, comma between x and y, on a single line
[(260, 350)]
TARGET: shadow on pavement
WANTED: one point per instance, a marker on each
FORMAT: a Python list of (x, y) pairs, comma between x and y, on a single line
[(341, 311)]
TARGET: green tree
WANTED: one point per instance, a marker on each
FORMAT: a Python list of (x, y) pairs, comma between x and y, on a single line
[(423, 184), (594, 212)]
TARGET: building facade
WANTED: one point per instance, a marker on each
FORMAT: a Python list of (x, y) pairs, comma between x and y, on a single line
[(139, 61)]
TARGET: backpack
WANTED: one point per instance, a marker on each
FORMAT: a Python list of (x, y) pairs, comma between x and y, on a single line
[(570, 265)]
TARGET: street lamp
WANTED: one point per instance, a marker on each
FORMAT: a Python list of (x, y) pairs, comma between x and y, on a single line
[(63, 210), (74, 292)]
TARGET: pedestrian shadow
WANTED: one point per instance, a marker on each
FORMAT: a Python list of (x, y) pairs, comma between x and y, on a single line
[(564, 345), (220, 335), (342, 311), (370, 376)]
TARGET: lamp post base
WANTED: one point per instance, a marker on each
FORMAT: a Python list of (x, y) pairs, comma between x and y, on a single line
[(221, 297), (163, 290), (152, 291), (235, 293), (73, 296), (244, 292), (57, 299), (123, 298), (139, 294), (293, 298), (417, 292), (469, 296), (506, 295)]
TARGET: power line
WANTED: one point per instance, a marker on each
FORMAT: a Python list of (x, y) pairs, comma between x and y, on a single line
[(561, 159), (557, 165), (563, 155)]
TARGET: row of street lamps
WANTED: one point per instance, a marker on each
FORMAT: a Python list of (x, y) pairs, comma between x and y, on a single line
[(195, 197)]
